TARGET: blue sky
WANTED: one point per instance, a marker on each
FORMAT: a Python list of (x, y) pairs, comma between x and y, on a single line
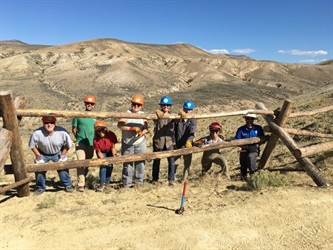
[(289, 31)]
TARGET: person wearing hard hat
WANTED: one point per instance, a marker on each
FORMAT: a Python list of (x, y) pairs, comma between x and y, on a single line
[(213, 156), (184, 135), (249, 153), (104, 145), (133, 142), (83, 130), (50, 143), (163, 139)]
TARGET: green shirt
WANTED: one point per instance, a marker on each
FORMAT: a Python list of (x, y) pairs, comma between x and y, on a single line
[(85, 130)]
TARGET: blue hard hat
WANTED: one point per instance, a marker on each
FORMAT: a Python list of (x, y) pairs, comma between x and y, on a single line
[(166, 100), (188, 105)]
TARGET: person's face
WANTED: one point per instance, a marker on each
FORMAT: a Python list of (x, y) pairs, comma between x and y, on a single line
[(188, 111), (89, 106), (49, 126), (214, 132), (136, 107), (101, 132), (165, 107), (249, 121)]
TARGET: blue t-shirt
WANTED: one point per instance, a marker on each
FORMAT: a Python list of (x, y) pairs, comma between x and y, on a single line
[(244, 132)]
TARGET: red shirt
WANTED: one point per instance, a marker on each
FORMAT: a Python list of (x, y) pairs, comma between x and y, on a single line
[(105, 144)]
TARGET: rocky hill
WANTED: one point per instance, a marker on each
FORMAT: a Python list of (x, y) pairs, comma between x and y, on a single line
[(60, 76)]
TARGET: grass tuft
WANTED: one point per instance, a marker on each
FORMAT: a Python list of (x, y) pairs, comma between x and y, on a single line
[(48, 202), (264, 179)]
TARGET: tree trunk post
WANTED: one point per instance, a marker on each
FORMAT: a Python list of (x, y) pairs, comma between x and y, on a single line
[(17, 156), (281, 121)]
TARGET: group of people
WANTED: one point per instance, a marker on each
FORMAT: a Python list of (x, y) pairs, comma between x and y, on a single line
[(51, 143)]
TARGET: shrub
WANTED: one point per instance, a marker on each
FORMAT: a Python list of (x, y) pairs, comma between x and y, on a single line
[(264, 178), (48, 201)]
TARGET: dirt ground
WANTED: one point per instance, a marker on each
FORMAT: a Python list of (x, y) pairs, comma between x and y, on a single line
[(219, 214)]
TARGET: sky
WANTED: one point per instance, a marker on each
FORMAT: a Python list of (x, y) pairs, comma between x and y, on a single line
[(286, 31)]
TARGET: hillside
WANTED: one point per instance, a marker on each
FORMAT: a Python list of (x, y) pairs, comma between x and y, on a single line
[(114, 70)]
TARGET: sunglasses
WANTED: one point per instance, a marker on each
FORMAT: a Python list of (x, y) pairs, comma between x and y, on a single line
[(166, 105), (214, 131), (101, 131), (90, 103), (250, 119), (49, 122), (136, 104)]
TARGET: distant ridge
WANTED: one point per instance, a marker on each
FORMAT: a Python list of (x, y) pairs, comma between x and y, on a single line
[(13, 41)]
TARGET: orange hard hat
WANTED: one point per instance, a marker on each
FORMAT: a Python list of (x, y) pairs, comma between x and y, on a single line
[(215, 125), (90, 98), (49, 118), (138, 99), (99, 125)]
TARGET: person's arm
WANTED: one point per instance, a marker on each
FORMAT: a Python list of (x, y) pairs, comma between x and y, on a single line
[(122, 124), (74, 130), (113, 150), (145, 128), (199, 142), (36, 152)]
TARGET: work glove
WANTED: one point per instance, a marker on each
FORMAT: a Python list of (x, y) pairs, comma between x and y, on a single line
[(63, 158), (159, 113), (188, 144), (136, 129), (182, 114), (39, 159)]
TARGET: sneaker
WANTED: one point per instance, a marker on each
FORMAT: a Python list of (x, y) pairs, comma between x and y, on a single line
[(69, 189), (39, 191), (80, 189), (100, 187), (171, 183)]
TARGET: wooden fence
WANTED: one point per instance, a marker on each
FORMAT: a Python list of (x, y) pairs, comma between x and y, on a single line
[(13, 110)]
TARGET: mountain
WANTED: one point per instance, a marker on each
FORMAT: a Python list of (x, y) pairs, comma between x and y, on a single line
[(59, 77)]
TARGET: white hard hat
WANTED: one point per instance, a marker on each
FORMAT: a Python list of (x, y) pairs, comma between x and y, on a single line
[(250, 116)]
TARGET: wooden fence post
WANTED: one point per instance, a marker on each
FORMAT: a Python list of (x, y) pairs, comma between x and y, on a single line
[(311, 169), (17, 156), (281, 121)]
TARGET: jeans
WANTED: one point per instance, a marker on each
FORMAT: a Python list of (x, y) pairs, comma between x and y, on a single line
[(138, 166), (105, 172), (248, 161), (171, 165), (64, 176)]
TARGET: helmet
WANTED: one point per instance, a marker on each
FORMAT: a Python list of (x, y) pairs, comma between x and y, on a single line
[(98, 125), (138, 99), (166, 100), (90, 98), (49, 118), (250, 116), (215, 125), (188, 105)]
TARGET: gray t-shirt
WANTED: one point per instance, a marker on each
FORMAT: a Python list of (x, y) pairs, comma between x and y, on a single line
[(50, 144)]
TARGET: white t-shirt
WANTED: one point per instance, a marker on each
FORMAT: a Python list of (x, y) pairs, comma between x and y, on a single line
[(50, 144), (130, 137)]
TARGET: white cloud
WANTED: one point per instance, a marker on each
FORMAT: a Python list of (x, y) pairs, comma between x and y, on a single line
[(243, 51), (218, 51), (296, 52)]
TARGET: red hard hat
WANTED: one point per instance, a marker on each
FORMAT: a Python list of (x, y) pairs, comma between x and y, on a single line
[(49, 118), (215, 125)]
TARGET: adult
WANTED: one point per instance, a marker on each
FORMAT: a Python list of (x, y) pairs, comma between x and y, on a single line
[(184, 135), (83, 130), (163, 139), (213, 156), (133, 142), (50, 143), (249, 153), (105, 146)]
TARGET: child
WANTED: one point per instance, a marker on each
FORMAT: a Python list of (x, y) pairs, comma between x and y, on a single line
[(213, 156), (104, 144)]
